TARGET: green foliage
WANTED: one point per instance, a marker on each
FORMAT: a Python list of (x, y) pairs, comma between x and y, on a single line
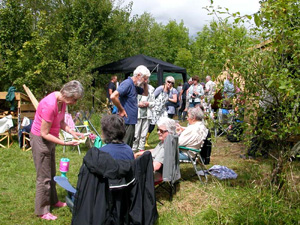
[(15, 29), (216, 44)]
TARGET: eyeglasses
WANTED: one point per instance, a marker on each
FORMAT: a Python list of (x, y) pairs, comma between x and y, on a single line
[(161, 131), (170, 82)]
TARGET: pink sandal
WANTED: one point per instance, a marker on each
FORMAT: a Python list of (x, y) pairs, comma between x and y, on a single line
[(60, 204), (48, 216)]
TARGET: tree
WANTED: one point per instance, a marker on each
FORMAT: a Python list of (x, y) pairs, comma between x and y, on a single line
[(271, 73), (15, 29), (215, 45)]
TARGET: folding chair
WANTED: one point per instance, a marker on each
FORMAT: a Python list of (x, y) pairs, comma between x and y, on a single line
[(196, 161), (117, 191), (170, 175), (224, 120), (81, 128), (5, 124), (26, 142), (199, 157)]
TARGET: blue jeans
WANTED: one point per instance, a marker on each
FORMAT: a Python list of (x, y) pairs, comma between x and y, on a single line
[(193, 104)]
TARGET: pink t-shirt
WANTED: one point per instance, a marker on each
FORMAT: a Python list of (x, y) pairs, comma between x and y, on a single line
[(48, 111)]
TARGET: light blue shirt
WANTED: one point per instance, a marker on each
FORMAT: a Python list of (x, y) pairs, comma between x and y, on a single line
[(199, 90), (228, 88)]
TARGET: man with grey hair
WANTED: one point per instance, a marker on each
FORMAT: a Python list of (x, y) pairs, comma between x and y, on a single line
[(125, 99), (194, 135)]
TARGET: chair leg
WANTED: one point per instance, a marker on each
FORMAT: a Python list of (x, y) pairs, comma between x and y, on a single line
[(78, 149), (201, 165)]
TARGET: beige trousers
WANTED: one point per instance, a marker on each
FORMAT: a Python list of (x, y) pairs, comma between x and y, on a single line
[(43, 153)]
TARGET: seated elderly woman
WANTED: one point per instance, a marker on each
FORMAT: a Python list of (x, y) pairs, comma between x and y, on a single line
[(165, 126), (113, 131), (194, 135)]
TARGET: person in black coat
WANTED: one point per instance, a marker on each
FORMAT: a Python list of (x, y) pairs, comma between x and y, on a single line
[(115, 191)]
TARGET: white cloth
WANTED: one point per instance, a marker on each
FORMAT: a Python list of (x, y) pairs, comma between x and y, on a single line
[(25, 122), (193, 136), (6, 123)]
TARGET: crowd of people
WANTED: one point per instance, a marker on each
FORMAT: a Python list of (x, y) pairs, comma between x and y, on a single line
[(140, 107)]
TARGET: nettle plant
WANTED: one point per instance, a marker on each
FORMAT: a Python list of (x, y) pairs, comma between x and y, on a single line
[(271, 72)]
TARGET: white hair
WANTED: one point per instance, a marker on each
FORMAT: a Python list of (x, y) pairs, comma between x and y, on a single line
[(142, 70), (72, 89), (168, 123), (170, 78), (208, 77), (196, 113)]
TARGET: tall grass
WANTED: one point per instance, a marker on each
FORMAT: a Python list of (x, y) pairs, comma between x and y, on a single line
[(247, 200)]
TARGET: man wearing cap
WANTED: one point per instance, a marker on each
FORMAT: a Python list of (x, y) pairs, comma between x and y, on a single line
[(182, 97)]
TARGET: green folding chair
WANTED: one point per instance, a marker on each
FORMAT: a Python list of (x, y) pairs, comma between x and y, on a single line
[(196, 161)]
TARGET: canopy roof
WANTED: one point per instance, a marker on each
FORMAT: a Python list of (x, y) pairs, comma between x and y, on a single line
[(129, 64)]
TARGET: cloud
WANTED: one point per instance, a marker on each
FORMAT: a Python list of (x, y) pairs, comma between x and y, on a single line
[(190, 11)]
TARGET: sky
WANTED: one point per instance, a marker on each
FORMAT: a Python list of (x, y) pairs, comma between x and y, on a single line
[(190, 11)]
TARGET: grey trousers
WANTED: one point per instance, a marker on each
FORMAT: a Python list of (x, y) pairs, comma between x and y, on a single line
[(129, 136), (43, 153), (141, 130)]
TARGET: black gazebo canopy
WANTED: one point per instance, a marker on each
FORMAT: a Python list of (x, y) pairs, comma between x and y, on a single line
[(129, 64)]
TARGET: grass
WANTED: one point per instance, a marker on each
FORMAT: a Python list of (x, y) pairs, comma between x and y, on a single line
[(246, 200)]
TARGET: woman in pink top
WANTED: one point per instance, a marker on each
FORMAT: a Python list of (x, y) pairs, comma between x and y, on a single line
[(48, 120)]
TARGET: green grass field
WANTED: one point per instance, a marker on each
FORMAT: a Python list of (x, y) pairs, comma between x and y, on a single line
[(246, 200)]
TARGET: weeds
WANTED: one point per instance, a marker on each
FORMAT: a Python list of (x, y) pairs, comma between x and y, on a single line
[(247, 200)]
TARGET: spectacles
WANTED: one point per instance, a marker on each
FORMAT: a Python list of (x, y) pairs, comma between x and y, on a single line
[(161, 131), (170, 82)]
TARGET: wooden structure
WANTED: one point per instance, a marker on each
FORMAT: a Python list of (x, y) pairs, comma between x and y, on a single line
[(24, 107)]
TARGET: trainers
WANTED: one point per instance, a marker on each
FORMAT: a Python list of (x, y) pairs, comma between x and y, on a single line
[(48, 216), (246, 156), (60, 204), (184, 160)]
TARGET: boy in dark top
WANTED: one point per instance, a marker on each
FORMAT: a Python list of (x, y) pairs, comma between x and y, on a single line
[(111, 86)]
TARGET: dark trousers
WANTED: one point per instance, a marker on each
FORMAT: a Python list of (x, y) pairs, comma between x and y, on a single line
[(129, 136), (182, 108)]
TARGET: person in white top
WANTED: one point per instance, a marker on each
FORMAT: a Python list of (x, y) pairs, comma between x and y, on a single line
[(194, 135), (195, 92), (210, 89), (145, 104)]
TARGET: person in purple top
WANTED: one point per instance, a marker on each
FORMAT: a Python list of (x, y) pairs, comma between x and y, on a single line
[(113, 131), (125, 99)]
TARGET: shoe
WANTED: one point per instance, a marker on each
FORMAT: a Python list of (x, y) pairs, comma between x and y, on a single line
[(48, 216), (246, 156), (146, 144), (60, 204), (184, 161)]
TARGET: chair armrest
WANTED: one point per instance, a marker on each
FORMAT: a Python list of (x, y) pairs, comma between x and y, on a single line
[(190, 149)]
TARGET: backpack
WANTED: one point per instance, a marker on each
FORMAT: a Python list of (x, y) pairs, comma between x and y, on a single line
[(206, 149), (235, 133)]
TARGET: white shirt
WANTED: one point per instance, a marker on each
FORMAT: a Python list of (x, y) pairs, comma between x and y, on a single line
[(193, 136), (211, 86)]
